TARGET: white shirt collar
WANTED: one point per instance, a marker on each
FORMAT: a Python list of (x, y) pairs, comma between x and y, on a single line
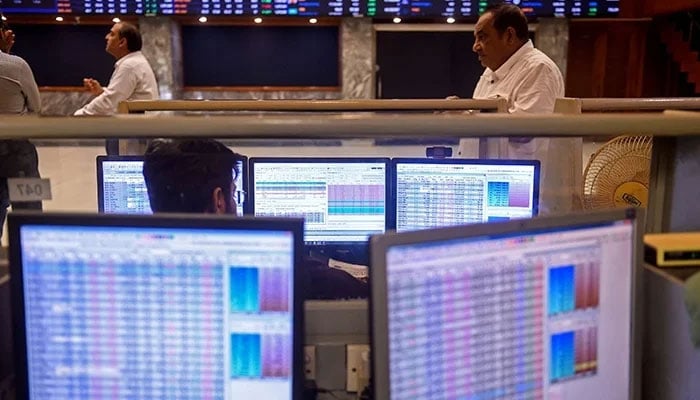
[(503, 70), (132, 54)]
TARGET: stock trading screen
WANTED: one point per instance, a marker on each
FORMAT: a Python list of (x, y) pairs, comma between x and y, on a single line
[(309, 8), (123, 188), (157, 313), (302, 8), (532, 315), (472, 9), (340, 201)]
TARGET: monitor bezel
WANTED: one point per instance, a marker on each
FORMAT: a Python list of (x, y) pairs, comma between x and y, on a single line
[(16, 220), (379, 244), (99, 165), (388, 209), (462, 161)]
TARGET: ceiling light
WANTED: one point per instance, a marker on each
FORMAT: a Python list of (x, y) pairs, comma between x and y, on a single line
[(313, 20), (202, 19), (450, 20), (397, 20), (258, 20), (4, 18), (59, 19), (116, 20)]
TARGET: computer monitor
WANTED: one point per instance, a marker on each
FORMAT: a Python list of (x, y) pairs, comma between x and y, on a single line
[(342, 200), (121, 188), (532, 309), (156, 307), (430, 193)]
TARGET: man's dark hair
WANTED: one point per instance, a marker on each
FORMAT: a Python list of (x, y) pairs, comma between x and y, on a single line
[(132, 35), (181, 175), (509, 15)]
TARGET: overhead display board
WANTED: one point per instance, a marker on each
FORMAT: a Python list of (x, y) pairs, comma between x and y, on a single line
[(467, 9)]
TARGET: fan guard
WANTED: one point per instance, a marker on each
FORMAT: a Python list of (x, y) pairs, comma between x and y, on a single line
[(617, 175)]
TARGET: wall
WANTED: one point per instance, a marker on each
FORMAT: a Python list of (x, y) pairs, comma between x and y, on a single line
[(162, 47), (662, 75), (552, 38), (606, 57), (652, 8), (658, 7)]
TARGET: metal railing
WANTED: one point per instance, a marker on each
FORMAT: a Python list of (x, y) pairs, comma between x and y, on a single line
[(313, 106)]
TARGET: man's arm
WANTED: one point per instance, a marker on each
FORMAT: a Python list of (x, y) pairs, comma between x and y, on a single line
[(30, 89), (121, 86)]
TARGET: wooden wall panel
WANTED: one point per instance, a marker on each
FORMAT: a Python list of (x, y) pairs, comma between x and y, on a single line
[(652, 8), (606, 58), (660, 7)]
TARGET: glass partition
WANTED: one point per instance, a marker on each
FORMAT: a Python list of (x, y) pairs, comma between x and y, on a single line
[(577, 170)]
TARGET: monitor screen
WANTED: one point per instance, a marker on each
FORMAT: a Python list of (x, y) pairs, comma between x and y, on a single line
[(121, 188), (434, 193), (145, 307), (537, 309), (342, 200)]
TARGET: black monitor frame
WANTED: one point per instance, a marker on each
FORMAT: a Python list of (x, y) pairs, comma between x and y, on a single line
[(16, 220)]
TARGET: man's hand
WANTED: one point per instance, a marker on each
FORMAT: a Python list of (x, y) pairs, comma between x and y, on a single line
[(7, 40), (461, 112), (93, 86)]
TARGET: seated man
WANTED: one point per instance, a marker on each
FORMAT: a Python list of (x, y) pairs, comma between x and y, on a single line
[(197, 176)]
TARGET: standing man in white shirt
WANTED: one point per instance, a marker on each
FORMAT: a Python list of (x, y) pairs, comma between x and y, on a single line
[(530, 82), (132, 79)]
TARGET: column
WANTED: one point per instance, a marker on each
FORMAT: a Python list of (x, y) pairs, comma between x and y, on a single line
[(358, 58), (162, 47), (552, 38)]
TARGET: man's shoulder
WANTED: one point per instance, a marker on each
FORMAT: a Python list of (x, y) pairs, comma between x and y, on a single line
[(539, 63), (14, 63), (537, 59), (12, 59), (135, 60)]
